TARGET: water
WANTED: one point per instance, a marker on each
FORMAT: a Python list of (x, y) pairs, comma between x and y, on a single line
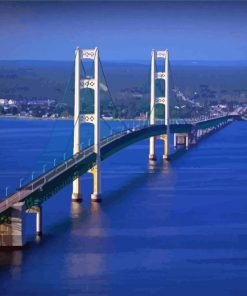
[(163, 229)]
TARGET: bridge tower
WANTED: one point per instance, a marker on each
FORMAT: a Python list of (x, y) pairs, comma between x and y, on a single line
[(160, 100), (94, 118), (76, 193)]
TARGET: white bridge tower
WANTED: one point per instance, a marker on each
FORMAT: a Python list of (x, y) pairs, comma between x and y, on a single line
[(160, 100), (94, 118)]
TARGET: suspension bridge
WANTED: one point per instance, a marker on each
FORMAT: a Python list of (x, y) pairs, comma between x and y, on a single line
[(182, 133)]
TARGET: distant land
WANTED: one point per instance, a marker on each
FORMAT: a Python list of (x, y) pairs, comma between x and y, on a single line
[(204, 82)]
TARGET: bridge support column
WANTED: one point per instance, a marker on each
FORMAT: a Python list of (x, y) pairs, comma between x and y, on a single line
[(94, 82), (165, 139), (39, 221), (166, 154), (13, 232), (167, 107), (37, 210), (175, 141), (193, 137), (152, 146), (187, 141), (199, 134), (96, 195), (76, 194), (152, 140), (183, 139)]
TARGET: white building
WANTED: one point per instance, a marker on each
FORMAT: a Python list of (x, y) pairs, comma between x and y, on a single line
[(11, 102), (3, 102)]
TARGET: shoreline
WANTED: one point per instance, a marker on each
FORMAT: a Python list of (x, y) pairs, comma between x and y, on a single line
[(60, 118), (33, 118)]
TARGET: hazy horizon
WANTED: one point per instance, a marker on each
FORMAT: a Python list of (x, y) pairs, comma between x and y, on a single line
[(124, 30), (136, 61)]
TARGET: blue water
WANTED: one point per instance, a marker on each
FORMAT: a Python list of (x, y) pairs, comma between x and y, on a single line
[(163, 229)]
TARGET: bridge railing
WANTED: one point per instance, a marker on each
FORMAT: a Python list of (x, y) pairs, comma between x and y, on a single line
[(41, 180), (202, 118), (116, 136)]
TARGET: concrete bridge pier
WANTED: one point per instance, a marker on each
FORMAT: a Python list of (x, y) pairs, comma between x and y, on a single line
[(76, 195), (152, 148), (175, 141), (39, 221), (200, 131), (37, 210), (182, 139), (187, 141), (198, 134), (166, 140), (96, 195), (13, 232), (193, 137)]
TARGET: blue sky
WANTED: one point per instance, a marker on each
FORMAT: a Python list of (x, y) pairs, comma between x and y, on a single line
[(124, 30)]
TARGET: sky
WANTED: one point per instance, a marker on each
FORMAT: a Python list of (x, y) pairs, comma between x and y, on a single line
[(123, 30)]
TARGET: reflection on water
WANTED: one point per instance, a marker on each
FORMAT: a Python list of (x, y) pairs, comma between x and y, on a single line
[(38, 239), (12, 260), (16, 264), (76, 209), (95, 209), (16, 259), (75, 265), (80, 263), (152, 166)]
